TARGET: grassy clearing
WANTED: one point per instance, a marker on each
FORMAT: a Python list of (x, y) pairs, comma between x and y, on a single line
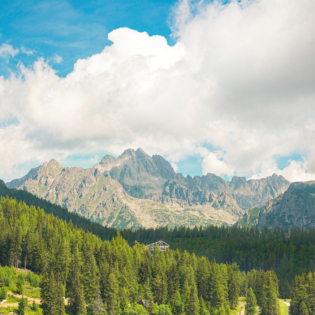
[(284, 309)]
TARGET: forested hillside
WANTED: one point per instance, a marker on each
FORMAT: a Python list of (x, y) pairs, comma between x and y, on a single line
[(102, 277), (248, 247), (104, 233), (288, 252)]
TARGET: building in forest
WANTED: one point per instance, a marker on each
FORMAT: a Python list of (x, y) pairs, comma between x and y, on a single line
[(161, 244)]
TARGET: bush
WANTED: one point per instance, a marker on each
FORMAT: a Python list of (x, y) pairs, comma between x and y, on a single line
[(3, 293)]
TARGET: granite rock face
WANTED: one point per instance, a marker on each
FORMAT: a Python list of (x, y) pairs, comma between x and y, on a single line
[(135, 190), (294, 208)]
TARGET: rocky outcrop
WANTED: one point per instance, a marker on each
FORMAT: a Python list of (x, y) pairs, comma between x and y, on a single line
[(294, 208)]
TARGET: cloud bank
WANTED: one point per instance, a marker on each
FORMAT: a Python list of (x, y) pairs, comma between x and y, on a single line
[(237, 89)]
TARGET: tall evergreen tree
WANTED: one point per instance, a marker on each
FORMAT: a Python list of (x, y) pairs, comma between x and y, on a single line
[(90, 278), (304, 310), (193, 301), (160, 287), (74, 288), (178, 308), (269, 304), (22, 306), (251, 303), (1, 281), (233, 288), (97, 307), (49, 294), (111, 295), (20, 284)]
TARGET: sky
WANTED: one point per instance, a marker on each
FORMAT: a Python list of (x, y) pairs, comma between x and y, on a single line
[(223, 87)]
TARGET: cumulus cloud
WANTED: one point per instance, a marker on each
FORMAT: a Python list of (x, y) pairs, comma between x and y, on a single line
[(240, 79), (7, 51)]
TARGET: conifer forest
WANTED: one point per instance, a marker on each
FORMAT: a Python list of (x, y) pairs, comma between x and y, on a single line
[(76, 270)]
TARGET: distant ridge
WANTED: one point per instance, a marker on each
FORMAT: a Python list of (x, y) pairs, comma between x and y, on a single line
[(294, 208), (138, 190)]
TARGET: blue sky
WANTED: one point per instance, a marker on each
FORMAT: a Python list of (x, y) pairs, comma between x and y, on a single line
[(74, 29), (215, 92)]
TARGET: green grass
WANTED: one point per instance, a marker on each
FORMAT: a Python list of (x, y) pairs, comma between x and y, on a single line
[(284, 309)]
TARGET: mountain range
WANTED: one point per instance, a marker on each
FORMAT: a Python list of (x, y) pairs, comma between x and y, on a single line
[(137, 190), (294, 208)]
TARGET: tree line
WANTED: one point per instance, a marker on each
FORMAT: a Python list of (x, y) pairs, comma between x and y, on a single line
[(111, 277)]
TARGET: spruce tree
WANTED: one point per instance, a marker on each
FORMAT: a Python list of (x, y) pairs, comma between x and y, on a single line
[(233, 288), (251, 303), (193, 301), (74, 289), (203, 308), (160, 288), (186, 297), (60, 304), (90, 278), (97, 307), (19, 284), (270, 298), (22, 306), (303, 309), (1, 281), (111, 294), (178, 308), (49, 294)]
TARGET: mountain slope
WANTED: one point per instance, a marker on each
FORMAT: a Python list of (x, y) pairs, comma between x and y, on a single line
[(109, 192), (100, 198), (296, 207)]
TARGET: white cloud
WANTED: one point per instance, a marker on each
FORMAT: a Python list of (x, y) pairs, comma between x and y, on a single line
[(212, 163), (175, 166), (240, 78), (26, 51), (57, 59), (295, 171), (7, 51)]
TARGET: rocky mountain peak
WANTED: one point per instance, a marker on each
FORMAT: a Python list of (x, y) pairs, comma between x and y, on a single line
[(2, 184), (127, 153), (53, 163), (107, 160)]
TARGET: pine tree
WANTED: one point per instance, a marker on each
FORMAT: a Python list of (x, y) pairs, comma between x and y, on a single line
[(160, 288), (186, 297), (90, 278), (251, 303), (60, 304), (19, 284), (164, 310), (49, 294), (111, 295), (193, 301), (303, 310), (203, 308), (22, 306), (3, 293), (74, 289), (233, 288), (270, 298), (178, 308), (217, 292), (1, 281), (97, 307)]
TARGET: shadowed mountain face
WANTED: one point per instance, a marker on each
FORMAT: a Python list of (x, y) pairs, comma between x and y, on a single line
[(136, 190), (296, 207)]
